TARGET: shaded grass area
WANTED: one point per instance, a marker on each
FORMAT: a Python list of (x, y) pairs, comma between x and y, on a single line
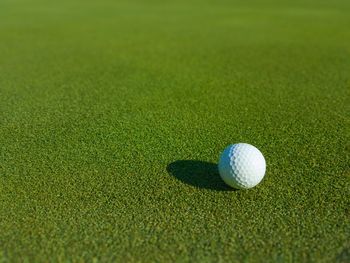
[(199, 174), (105, 106)]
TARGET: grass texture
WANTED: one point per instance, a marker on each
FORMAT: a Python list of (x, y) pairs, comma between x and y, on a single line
[(113, 115)]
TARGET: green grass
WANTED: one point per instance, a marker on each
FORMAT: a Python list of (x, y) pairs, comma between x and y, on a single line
[(113, 115)]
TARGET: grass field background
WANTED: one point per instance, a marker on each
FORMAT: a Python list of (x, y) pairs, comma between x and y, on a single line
[(113, 115)]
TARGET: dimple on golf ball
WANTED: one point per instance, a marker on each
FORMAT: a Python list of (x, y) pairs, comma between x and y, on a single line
[(242, 166)]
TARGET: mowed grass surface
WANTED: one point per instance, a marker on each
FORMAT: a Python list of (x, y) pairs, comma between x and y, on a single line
[(113, 116)]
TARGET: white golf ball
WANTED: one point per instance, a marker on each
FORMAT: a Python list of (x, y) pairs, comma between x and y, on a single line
[(242, 166)]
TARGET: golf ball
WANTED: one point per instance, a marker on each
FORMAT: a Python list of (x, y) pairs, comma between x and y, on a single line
[(242, 166)]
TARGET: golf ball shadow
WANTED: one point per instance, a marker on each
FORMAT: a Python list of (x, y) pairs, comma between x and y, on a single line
[(199, 174)]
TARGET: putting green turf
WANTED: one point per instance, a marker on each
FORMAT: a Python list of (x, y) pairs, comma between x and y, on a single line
[(113, 116)]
